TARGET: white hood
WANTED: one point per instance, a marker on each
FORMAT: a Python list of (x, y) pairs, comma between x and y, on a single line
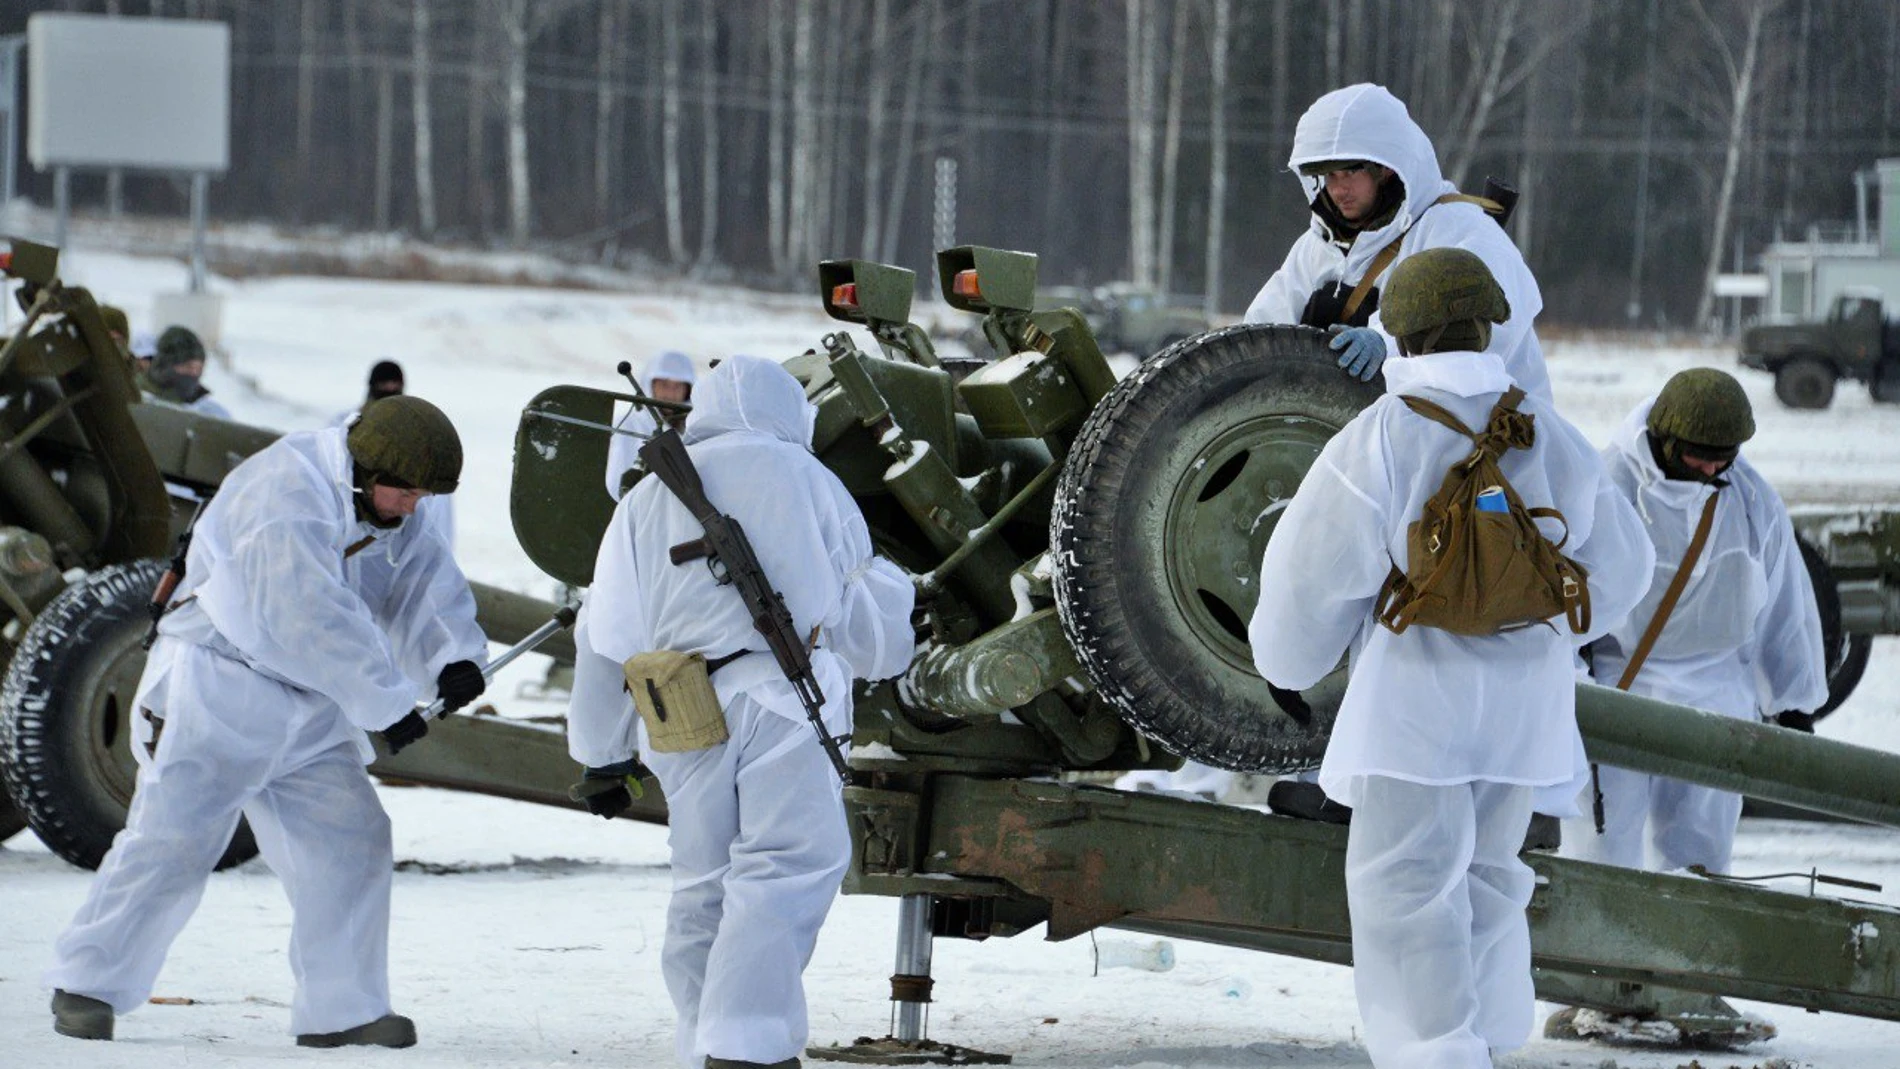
[(751, 395), (671, 364), (1366, 122)]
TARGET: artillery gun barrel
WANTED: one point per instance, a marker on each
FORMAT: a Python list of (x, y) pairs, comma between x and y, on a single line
[(1745, 756)]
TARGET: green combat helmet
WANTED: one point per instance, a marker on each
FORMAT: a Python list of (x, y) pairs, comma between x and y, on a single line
[(408, 443), (1442, 299), (1703, 406)]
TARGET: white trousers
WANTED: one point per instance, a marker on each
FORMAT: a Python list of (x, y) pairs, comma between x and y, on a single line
[(757, 830), (1688, 824), (1440, 943), (235, 742)]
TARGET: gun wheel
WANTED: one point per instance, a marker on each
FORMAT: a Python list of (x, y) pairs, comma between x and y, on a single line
[(66, 715), (1163, 510)]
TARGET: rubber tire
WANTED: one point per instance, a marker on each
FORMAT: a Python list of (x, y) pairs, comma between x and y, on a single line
[(1845, 676), (1805, 383), (1827, 603), (66, 716), (1117, 586), (12, 821)]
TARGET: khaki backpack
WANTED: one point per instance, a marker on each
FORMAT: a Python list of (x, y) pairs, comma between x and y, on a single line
[(1482, 567)]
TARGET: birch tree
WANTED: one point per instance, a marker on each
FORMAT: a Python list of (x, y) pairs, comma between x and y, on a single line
[(606, 67), (671, 35), (1218, 34), (1171, 150), (881, 68), (1738, 72), (520, 23), (709, 137), (1141, 145), (419, 75)]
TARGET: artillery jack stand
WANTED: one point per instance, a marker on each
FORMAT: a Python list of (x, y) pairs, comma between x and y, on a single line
[(910, 1006)]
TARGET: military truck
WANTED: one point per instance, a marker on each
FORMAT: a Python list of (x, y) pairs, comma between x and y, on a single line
[(1857, 341), (95, 484)]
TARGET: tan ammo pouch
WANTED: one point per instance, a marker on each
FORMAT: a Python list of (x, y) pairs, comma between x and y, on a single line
[(675, 697)]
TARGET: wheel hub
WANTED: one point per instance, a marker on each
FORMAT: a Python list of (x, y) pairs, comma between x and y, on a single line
[(1220, 517)]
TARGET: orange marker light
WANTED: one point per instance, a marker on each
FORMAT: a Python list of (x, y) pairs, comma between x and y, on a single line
[(965, 285), (845, 295), (6, 261)]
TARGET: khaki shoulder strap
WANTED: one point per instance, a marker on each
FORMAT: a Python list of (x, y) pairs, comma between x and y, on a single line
[(358, 546), (1385, 256), (1437, 414), (1668, 603)]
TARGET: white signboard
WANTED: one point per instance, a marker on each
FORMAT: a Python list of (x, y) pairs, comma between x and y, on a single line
[(1741, 285), (128, 92)]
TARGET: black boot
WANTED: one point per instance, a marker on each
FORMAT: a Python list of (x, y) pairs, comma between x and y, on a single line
[(389, 1030), (81, 1017)]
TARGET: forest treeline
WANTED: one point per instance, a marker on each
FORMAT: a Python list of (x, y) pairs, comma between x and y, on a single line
[(1654, 142)]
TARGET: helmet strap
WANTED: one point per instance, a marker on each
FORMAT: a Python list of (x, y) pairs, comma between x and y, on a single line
[(362, 493)]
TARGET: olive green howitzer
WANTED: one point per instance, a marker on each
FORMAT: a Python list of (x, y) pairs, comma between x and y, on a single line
[(96, 484), (1086, 548)]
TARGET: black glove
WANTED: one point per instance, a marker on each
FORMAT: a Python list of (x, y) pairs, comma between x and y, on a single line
[(460, 683), (1292, 704), (405, 731), (1795, 720), (609, 790)]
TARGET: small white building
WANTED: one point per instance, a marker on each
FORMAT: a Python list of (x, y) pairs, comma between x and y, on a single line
[(1804, 277)]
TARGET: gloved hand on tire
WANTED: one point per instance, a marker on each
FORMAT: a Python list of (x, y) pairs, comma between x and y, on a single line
[(459, 683), (609, 790), (1361, 351)]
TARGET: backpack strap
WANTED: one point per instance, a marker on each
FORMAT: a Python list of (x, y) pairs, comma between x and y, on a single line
[(1668, 603), (1437, 414), (1383, 259)]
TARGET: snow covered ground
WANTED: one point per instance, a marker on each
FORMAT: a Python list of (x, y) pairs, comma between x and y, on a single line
[(526, 936)]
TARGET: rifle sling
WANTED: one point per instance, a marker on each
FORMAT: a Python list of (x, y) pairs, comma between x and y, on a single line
[(1676, 585)]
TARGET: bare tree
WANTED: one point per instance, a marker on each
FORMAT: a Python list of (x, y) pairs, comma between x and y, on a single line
[(520, 22), (709, 137), (672, 44), (919, 68), (1739, 73), (306, 93), (776, 176), (881, 74), (1485, 89), (1141, 145), (1218, 34), (419, 107), (606, 68), (1171, 150), (802, 200)]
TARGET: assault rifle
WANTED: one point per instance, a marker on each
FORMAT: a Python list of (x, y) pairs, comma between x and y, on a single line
[(174, 575), (728, 553)]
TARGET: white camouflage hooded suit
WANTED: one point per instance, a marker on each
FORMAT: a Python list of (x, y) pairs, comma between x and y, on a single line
[(1441, 739), (756, 823), (280, 655), (623, 450), (1743, 641), (1365, 122)]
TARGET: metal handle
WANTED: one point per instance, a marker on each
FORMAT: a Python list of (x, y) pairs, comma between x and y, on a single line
[(563, 619)]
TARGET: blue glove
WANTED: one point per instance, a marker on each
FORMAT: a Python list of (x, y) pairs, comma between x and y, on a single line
[(1361, 350)]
